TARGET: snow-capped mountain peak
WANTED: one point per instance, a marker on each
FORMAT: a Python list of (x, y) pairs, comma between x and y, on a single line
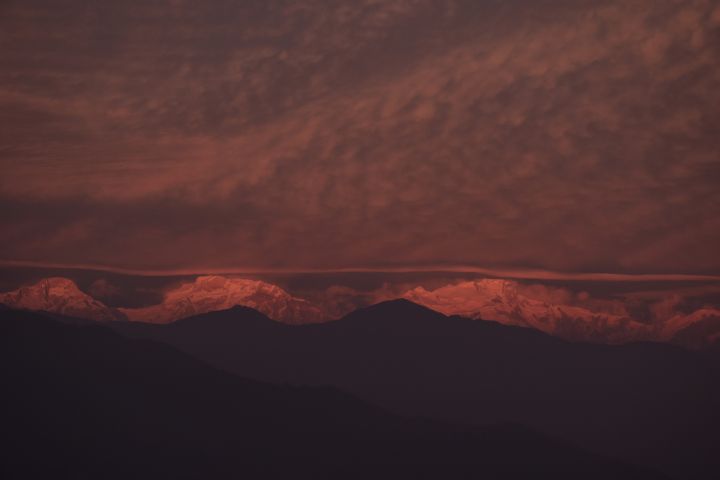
[(58, 295), (212, 293), (504, 301)]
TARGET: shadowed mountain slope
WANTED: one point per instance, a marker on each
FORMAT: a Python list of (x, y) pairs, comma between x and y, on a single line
[(651, 403), (84, 402)]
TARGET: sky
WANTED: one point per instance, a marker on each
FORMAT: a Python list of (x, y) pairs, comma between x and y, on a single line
[(569, 137)]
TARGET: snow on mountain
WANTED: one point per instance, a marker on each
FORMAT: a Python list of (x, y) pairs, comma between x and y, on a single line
[(680, 322), (700, 329), (503, 301), (58, 295), (212, 293)]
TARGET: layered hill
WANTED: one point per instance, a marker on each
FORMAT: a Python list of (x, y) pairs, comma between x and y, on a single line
[(649, 403), (83, 402)]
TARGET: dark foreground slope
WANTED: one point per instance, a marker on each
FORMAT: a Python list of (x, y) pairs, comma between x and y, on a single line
[(649, 403), (84, 402)]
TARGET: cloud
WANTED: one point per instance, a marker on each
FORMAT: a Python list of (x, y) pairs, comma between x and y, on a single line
[(567, 136)]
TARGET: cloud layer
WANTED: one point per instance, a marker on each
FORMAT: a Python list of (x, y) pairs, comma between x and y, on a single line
[(573, 136)]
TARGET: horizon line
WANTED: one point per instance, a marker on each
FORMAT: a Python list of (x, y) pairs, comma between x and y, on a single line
[(527, 274)]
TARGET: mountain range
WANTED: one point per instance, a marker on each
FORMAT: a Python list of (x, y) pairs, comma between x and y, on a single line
[(504, 301), (204, 294)]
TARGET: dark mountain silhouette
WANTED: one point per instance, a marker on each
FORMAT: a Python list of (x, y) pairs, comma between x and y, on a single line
[(655, 404), (85, 402)]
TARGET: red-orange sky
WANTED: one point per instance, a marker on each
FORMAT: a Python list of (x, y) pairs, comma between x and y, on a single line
[(571, 136)]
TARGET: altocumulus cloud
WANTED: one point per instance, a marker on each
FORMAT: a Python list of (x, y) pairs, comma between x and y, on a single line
[(574, 136)]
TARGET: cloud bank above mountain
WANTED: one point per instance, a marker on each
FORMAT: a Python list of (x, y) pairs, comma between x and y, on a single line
[(570, 136)]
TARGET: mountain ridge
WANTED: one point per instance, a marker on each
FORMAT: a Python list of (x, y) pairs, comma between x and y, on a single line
[(496, 300)]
